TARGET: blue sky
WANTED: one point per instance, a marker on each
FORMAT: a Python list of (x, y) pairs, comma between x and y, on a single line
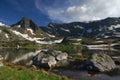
[(44, 11), (11, 11)]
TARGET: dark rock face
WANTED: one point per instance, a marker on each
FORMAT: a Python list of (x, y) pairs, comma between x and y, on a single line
[(27, 23), (27, 26), (50, 59)]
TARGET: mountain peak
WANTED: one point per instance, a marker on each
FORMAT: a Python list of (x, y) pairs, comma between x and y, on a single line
[(26, 23), (25, 19)]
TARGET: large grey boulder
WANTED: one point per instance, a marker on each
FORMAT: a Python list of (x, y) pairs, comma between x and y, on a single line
[(60, 55), (101, 62), (49, 58)]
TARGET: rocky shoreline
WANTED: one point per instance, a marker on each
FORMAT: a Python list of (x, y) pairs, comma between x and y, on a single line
[(52, 59), (79, 68)]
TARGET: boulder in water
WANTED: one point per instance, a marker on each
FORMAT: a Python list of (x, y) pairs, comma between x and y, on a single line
[(100, 62)]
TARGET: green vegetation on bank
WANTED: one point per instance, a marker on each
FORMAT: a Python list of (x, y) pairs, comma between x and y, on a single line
[(68, 45), (87, 41), (17, 73), (69, 48), (19, 44)]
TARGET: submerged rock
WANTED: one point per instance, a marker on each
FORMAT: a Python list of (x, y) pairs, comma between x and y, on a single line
[(100, 62), (49, 58)]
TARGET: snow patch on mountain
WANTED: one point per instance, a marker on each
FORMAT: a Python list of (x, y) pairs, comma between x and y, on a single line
[(99, 41), (66, 30), (37, 40), (106, 36), (77, 26), (51, 25), (6, 35), (101, 47), (23, 35), (50, 35), (26, 36), (18, 26), (114, 27), (58, 41), (31, 31), (50, 42)]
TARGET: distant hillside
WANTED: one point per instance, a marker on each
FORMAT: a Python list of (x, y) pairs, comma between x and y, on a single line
[(26, 29), (106, 28)]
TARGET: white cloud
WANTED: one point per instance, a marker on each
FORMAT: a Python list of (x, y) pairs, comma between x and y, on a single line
[(79, 10), (1, 24)]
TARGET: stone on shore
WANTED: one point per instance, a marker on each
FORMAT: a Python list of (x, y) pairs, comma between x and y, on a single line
[(100, 62), (49, 58)]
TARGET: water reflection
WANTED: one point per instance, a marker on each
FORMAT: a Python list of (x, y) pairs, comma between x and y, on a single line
[(21, 56), (109, 52), (18, 56), (84, 75)]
